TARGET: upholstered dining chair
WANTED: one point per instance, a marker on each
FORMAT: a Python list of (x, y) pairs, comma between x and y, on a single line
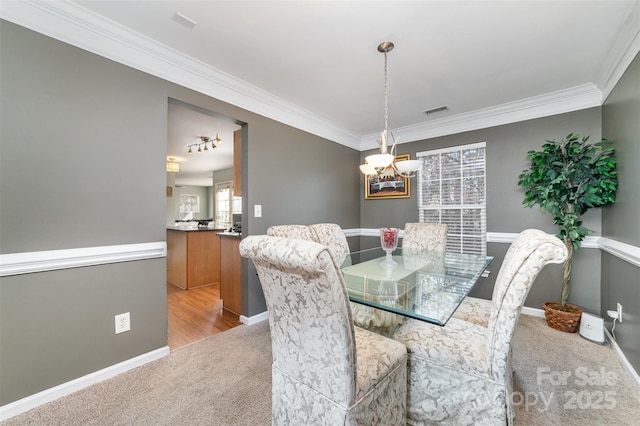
[(376, 320), (425, 237), (301, 232), (474, 310), (461, 373), (332, 236), (325, 371), (432, 237), (425, 242)]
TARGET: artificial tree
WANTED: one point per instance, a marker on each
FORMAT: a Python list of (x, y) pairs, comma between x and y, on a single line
[(567, 178)]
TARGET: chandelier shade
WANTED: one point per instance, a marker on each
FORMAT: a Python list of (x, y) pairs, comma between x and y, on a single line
[(172, 166), (379, 160), (407, 166)]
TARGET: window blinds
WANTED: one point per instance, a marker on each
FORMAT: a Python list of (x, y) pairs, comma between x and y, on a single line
[(451, 190)]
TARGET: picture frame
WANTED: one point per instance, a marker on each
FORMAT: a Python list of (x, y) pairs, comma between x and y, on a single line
[(388, 184)]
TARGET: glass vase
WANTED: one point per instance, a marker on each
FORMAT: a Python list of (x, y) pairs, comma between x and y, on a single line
[(389, 242)]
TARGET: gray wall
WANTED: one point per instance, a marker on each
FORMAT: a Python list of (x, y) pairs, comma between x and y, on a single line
[(621, 280), (507, 147), (82, 164)]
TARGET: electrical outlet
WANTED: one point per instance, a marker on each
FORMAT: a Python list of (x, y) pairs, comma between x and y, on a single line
[(619, 312), (123, 323)]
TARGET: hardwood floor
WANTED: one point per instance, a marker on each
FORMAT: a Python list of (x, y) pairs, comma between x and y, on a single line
[(195, 314)]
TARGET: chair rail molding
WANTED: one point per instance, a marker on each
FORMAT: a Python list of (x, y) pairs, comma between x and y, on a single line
[(626, 252), (50, 260), (623, 251), (508, 238)]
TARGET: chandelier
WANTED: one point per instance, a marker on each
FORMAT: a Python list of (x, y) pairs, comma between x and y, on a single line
[(375, 164), (204, 142), (172, 165)]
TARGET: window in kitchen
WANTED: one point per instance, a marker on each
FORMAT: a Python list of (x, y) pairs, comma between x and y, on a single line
[(189, 206), (226, 204), (451, 190)]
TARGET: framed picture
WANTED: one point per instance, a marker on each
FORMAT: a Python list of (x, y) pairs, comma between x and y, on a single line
[(388, 184)]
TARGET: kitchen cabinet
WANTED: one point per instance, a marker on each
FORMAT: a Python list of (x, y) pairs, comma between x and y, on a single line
[(231, 273), (237, 163), (193, 257)]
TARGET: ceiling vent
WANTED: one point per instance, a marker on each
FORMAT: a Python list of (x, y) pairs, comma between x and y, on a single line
[(179, 18), (437, 109)]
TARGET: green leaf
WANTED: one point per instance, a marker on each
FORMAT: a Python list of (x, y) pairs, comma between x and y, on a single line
[(569, 177)]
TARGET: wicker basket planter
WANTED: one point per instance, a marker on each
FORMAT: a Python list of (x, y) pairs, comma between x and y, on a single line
[(567, 321)]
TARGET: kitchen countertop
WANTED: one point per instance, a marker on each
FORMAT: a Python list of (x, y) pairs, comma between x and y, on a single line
[(230, 234), (188, 229)]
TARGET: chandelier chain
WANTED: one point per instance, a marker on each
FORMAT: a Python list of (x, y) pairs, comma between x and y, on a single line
[(386, 104), (378, 164)]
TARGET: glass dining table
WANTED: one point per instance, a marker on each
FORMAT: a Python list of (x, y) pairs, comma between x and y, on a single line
[(423, 285)]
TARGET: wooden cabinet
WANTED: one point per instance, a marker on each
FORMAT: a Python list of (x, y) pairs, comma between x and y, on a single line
[(193, 258), (237, 163), (231, 274)]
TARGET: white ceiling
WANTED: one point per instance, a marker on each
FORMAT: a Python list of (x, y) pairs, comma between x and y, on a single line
[(315, 64), (185, 125)]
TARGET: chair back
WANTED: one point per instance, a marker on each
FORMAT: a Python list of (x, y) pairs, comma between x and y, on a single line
[(301, 232), (331, 235), (312, 331), (527, 255), (425, 237)]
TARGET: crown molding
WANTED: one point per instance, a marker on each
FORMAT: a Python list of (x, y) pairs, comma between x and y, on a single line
[(623, 51), (71, 23), (562, 101)]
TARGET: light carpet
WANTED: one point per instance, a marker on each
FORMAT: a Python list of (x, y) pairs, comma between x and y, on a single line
[(226, 380)]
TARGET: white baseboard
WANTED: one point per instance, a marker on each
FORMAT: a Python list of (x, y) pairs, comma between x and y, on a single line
[(32, 401), (254, 319), (536, 312), (623, 359)]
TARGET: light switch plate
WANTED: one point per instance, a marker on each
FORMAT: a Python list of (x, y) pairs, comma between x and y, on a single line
[(257, 210)]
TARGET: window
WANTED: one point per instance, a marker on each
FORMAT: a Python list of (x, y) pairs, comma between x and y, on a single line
[(451, 190), (226, 204), (189, 206)]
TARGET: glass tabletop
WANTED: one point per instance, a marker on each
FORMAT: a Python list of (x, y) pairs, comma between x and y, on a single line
[(424, 285)]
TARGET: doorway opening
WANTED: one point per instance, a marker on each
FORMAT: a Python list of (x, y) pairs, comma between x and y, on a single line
[(193, 219)]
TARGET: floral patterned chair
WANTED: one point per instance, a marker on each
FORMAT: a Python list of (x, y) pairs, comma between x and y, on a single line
[(474, 310), (325, 371), (461, 374), (376, 320), (301, 232), (425, 241), (332, 236), (432, 238)]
